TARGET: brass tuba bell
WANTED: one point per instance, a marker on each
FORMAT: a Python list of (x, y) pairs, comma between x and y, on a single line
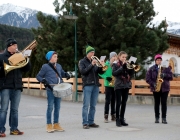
[(8, 68)]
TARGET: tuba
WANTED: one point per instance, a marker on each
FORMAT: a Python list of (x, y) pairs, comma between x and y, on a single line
[(159, 80), (132, 66), (98, 63), (18, 60)]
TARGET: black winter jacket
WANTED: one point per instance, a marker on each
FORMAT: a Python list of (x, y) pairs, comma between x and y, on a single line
[(122, 76), (13, 79), (89, 73)]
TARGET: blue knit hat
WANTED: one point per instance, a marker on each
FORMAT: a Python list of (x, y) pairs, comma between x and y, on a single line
[(49, 55)]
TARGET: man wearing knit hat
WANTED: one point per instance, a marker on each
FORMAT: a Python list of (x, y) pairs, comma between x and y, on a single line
[(109, 88), (10, 90), (89, 73), (160, 97), (49, 76)]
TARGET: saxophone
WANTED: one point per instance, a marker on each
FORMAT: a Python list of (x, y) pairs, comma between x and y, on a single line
[(112, 81), (159, 80)]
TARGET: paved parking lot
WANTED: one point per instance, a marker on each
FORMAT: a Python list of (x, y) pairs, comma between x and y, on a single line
[(140, 118)]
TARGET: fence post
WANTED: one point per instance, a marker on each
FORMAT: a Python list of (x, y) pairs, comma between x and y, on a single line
[(133, 87), (28, 82)]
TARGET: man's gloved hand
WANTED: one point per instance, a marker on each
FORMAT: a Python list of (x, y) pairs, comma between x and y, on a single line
[(67, 76), (154, 85), (108, 79), (124, 66), (44, 82), (163, 75)]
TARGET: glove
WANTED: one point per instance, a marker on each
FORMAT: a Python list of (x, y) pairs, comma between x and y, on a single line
[(67, 76), (131, 62), (163, 75), (108, 79), (124, 66), (46, 84)]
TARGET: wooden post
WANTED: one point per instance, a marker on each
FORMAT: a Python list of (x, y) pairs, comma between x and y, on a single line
[(103, 87), (28, 82), (133, 87)]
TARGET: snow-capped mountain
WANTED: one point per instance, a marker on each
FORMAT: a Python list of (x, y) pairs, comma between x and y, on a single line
[(173, 27), (25, 17), (18, 16)]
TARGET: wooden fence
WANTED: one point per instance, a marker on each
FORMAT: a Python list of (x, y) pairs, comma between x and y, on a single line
[(139, 87)]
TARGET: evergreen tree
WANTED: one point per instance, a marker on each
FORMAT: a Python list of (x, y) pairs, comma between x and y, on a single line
[(111, 25)]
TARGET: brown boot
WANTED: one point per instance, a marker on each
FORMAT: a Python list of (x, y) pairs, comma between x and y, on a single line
[(113, 117), (106, 118), (57, 127), (49, 128)]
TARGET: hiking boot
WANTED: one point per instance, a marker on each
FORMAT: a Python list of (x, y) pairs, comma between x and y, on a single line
[(157, 120), (123, 122), (49, 128), (2, 134), (164, 121), (106, 118), (85, 126), (94, 125), (16, 132), (57, 127), (113, 117), (118, 123)]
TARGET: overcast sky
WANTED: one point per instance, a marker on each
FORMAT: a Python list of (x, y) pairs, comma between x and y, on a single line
[(166, 8)]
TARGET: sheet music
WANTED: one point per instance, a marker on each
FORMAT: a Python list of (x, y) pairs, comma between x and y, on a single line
[(132, 59), (102, 58), (27, 53), (165, 63)]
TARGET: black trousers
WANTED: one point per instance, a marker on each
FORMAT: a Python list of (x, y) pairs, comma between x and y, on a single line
[(109, 99), (160, 97), (121, 99)]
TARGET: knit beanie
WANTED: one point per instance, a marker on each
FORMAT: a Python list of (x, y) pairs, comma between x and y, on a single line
[(89, 49), (112, 54), (49, 55), (158, 56), (10, 42)]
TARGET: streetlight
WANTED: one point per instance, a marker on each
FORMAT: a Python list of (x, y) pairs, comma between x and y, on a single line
[(71, 16)]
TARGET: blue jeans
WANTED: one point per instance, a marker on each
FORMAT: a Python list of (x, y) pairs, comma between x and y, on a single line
[(53, 102), (13, 96), (89, 103)]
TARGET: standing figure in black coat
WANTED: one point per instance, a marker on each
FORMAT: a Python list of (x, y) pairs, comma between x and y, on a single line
[(122, 85), (11, 86)]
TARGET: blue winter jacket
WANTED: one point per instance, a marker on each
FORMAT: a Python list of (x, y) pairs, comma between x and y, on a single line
[(50, 75)]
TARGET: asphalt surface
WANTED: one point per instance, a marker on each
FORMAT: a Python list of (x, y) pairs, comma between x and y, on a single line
[(140, 118)]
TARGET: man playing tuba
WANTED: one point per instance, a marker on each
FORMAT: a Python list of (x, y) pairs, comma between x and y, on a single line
[(10, 89)]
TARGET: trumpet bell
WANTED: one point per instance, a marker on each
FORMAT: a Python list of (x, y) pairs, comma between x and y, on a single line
[(136, 67)]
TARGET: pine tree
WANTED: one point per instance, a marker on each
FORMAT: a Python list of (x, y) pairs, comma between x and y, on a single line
[(111, 25)]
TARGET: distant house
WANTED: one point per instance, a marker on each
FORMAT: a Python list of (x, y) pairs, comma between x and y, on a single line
[(172, 54)]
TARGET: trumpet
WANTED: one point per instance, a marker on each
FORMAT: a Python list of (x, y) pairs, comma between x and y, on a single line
[(98, 63), (133, 66)]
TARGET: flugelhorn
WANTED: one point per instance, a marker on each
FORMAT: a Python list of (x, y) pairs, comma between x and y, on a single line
[(133, 66), (99, 64)]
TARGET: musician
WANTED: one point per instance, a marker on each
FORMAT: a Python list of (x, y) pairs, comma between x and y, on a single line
[(161, 96), (109, 89), (122, 85), (89, 72), (10, 90), (48, 76)]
